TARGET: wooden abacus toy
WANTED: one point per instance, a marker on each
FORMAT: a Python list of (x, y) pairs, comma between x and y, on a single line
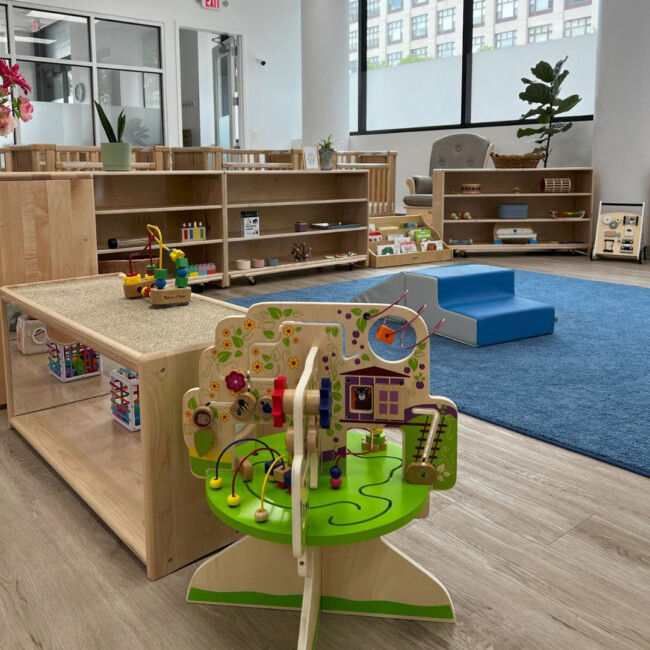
[(154, 284), (288, 430)]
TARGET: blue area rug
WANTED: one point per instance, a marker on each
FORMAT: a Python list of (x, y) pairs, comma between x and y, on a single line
[(586, 387)]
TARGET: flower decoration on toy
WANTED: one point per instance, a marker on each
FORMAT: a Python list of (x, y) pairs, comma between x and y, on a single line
[(235, 381)]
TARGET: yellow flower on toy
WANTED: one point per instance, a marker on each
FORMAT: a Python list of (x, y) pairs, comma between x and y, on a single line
[(296, 339), (214, 352), (257, 366), (214, 385), (188, 414), (249, 325), (225, 332), (269, 390), (287, 330), (224, 417), (293, 363), (226, 345), (255, 352), (212, 395)]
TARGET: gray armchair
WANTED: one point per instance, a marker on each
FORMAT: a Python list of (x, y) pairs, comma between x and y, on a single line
[(455, 151)]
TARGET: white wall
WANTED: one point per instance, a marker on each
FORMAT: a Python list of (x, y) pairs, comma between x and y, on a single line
[(621, 128), (189, 71), (570, 149), (271, 30)]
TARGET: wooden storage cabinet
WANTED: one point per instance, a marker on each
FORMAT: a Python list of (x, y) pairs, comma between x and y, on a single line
[(509, 186), (125, 203)]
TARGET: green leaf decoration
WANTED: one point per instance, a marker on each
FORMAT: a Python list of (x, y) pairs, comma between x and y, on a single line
[(237, 342), (106, 125), (256, 393), (422, 346), (338, 426), (365, 357), (203, 441), (298, 329), (239, 353), (328, 329), (266, 357), (215, 411), (269, 366), (336, 397), (337, 385), (356, 311), (223, 356), (335, 331), (270, 334), (238, 331), (192, 403), (287, 312), (413, 364), (275, 313), (337, 408), (286, 341), (361, 324)]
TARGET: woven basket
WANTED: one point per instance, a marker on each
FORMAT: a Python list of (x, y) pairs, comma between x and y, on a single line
[(528, 160), (122, 266)]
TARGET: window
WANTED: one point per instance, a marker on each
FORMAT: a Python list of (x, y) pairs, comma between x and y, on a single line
[(539, 7), (478, 44), (446, 20), (354, 41), (577, 27), (354, 66), (354, 11), (420, 52), (394, 58), (372, 60), (62, 64), (395, 5), (505, 39), (540, 33), (373, 8), (395, 32), (419, 26), (419, 3), (445, 50), (479, 13), (570, 4), (506, 10), (372, 36)]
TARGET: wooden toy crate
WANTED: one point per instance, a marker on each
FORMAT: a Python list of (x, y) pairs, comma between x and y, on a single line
[(396, 225)]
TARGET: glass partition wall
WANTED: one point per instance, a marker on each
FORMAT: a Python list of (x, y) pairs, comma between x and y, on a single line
[(70, 60)]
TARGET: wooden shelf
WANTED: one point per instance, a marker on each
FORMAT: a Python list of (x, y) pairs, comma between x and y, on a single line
[(98, 458), (516, 247), (178, 244), (554, 195), (290, 265), (294, 235), (506, 221), (157, 208), (268, 204), (203, 279)]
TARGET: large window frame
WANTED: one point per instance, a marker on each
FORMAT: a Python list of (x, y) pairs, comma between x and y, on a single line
[(92, 64), (466, 82)]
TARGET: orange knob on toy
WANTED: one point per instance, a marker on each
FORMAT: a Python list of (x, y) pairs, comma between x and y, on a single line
[(279, 386), (385, 334)]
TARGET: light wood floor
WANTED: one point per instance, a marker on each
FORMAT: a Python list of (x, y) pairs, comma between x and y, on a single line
[(538, 546)]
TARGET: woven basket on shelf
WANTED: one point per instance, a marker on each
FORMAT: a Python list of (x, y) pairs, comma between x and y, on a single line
[(122, 266), (528, 160)]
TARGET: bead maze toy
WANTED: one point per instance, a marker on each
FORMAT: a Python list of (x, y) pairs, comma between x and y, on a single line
[(72, 362), (288, 429), (125, 398), (154, 284)]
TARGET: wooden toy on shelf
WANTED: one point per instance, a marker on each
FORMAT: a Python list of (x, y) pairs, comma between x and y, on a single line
[(620, 233), (154, 284), (31, 335), (302, 393), (300, 252), (193, 232), (125, 398)]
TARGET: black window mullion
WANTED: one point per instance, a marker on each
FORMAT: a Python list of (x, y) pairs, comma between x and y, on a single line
[(466, 81), (363, 66)]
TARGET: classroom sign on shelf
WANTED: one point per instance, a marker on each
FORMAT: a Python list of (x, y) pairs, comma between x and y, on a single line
[(211, 4)]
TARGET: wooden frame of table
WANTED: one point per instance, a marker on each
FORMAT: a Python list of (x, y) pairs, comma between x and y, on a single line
[(140, 485)]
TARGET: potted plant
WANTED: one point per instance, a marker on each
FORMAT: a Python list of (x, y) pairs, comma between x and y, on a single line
[(544, 94), (16, 107), (325, 152), (116, 155)]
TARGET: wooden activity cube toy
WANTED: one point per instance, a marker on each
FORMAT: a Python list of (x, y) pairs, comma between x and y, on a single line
[(287, 429)]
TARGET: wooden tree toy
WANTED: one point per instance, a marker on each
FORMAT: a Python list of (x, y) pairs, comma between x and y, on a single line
[(300, 393), (154, 284)]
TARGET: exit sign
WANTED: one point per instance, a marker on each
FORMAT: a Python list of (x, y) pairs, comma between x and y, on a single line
[(211, 4)]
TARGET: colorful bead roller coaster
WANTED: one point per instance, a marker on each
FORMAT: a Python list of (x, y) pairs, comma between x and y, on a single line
[(154, 284), (292, 428)]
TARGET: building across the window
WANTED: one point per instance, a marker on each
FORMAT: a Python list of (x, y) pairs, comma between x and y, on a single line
[(539, 6), (446, 20), (570, 4), (478, 16), (354, 41), (394, 58), (395, 5), (540, 33), (419, 3), (505, 39), (445, 50), (420, 26), (373, 8), (372, 38), (420, 52), (506, 10), (577, 27), (395, 32), (478, 43), (354, 11)]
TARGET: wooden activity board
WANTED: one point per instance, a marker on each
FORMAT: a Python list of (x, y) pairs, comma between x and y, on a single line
[(287, 428)]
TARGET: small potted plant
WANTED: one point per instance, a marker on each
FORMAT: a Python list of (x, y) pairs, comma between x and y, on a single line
[(116, 155), (16, 107), (325, 152)]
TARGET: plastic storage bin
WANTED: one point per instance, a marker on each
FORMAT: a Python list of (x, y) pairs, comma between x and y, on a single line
[(513, 210)]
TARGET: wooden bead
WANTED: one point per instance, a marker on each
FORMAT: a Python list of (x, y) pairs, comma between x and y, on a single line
[(202, 417), (216, 483), (261, 515), (244, 406), (233, 500), (247, 471)]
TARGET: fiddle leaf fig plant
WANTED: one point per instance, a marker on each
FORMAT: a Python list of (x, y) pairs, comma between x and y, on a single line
[(544, 94)]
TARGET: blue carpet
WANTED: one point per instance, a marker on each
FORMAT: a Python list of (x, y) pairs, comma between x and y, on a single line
[(586, 387)]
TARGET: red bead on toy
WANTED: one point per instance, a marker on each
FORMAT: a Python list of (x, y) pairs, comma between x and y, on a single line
[(336, 482)]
